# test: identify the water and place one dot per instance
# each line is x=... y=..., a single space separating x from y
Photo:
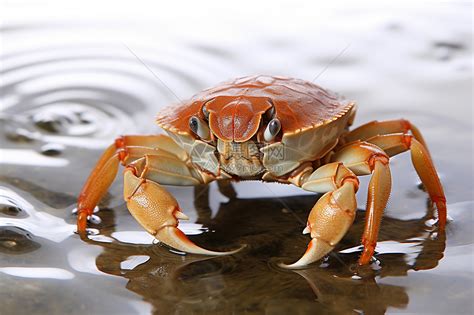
x=73 y=78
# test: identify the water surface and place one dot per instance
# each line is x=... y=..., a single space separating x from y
x=73 y=81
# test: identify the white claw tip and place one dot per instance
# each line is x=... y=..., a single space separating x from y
x=292 y=266
x=181 y=216
x=307 y=230
x=317 y=249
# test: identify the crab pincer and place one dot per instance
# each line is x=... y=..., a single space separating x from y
x=328 y=221
x=158 y=213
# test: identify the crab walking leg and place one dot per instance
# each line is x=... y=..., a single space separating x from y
x=154 y=207
x=364 y=158
x=96 y=186
x=333 y=214
x=397 y=143
x=123 y=150
x=375 y=128
x=160 y=142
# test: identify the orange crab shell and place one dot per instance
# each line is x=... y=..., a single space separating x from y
x=236 y=107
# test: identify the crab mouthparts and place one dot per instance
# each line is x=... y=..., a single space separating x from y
x=243 y=159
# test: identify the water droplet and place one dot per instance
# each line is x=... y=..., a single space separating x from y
x=14 y=240
x=445 y=51
x=96 y=209
x=94 y=219
x=18 y=134
x=91 y=231
x=52 y=149
x=11 y=210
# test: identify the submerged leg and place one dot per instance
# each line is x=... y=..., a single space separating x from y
x=154 y=207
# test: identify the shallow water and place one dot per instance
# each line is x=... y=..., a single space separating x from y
x=74 y=80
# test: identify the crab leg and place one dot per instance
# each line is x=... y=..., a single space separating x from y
x=333 y=214
x=397 y=143
x=154 y=207
x=364 y=158
x=375 y=128
x=379 y=186
x=123 y=150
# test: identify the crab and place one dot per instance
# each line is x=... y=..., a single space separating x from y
x=272 y=129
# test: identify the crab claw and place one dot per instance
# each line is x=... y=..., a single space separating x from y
x=158 y=212
x=328 y=221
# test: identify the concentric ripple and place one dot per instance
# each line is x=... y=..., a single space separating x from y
x=86 y=94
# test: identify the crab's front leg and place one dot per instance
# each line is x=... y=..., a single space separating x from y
x=124 y=150
x=334 y=213
x=154 y=207
x=376 y=128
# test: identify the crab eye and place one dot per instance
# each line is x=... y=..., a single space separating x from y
x=272 y=130
x=269 y=114
x=199 y=127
